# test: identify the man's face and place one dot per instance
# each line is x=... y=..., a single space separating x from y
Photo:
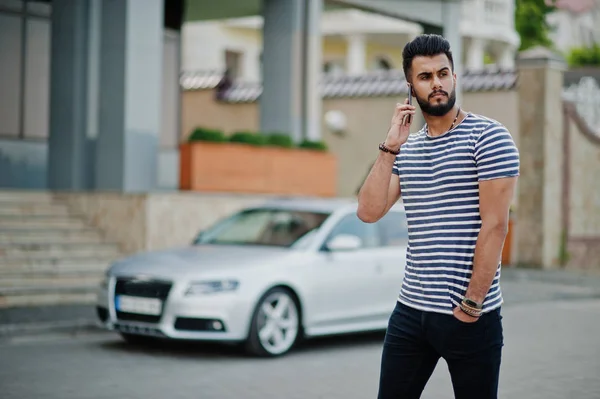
x=434 y=84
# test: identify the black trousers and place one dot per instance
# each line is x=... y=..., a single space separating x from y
x=416 y=340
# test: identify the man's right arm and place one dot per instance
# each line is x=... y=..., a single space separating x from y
x=380 y=191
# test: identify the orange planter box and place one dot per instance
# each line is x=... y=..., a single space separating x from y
x=507 y=249
x=243 y=168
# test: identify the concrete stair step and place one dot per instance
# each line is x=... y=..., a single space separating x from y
x=7 y=199
x=40 y=222
x=48 y=297
x=9 y=208
x=81 y=267
x=96 y=269
x=37 y=282
x=101 y=252
x=51 y=240
x=39 y=197
x=57 y=249
x=48 y=235
x=40 y=216
x=55 y=266
x=47 y=262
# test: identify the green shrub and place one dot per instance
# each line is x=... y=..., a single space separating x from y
x=247 y=138
x=279 y=140
x=202 y=134
x=584 y=56
x=313 y=145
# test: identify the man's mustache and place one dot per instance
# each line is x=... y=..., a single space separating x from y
x=438 y=92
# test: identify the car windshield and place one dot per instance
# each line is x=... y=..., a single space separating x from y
x=273 y=227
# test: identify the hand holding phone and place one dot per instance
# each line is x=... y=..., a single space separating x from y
x=400 y=128
x=408 y=118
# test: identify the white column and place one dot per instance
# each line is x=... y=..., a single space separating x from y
x=131 y=72
x=68 y=95
x=507 y=57
x=281 y=100
x=451 y=17
x=357 y=54
x=475 y=54
x=313 y=61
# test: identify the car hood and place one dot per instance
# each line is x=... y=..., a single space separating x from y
x=198 y=259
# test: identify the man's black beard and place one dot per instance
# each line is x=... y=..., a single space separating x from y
x=438 y=109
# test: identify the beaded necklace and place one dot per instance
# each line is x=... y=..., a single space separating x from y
x=451 y=126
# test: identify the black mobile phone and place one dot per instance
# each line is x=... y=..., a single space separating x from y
x=408 y=118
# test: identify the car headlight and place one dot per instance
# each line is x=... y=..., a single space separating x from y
x=211 y=287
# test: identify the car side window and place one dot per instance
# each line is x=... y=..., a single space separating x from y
x=352 y=225
x=393 y=230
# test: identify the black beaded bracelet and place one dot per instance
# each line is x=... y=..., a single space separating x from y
x=384 y=148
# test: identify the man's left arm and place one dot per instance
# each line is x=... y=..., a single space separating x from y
x=495 y=197
x=497 y=162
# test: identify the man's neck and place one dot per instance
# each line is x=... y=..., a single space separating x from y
x=437 y=125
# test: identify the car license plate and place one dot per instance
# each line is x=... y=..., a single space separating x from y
x=132 y=304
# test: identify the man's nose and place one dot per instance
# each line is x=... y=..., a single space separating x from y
x=436 y=83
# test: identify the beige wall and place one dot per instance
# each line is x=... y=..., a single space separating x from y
x=121 y=217
x=175 y=219
x=583 y=221
x=198 y=108
x=558 y=215
x=584 y=184
x=502 y=106
x=368 y=120
x=142 y=222
x=165 y=220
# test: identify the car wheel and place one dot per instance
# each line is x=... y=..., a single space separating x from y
x=275 y=324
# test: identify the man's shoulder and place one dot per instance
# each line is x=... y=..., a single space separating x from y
x=482 y=122
x=414 y=139
x=418 y=135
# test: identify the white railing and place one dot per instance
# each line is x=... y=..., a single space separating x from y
x=489 y=12
x=585 y=95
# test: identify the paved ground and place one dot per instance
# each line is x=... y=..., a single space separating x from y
x=552 y=330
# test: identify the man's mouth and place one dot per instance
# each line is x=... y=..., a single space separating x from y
x=438 y=94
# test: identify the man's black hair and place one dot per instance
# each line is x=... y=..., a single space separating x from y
x=427 y=45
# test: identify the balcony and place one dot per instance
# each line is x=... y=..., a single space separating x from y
x=352 y=38
x=488 y=27
x=490 y=19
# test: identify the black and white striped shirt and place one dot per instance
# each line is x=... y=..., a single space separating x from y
x=440 y=191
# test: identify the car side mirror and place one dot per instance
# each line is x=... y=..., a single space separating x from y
x=344 y=242
x=197 y=238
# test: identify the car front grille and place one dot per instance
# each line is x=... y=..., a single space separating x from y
x=141 y=288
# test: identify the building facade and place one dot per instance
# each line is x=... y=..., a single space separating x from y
x=53 y=71
x=353 y=41
x=90 y=91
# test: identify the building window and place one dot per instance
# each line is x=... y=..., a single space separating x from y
x=233 y=63
x=382 y=63
x=334 y=67
x=10 y=74
x=24 y=69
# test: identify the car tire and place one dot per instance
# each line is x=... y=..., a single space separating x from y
x=274 y=330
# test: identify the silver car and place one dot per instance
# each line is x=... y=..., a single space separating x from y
x=265 y=276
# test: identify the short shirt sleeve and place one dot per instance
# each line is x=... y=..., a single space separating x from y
x=396 y=167
x=496 y=154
